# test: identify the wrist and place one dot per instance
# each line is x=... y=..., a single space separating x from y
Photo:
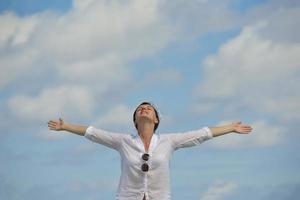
x=232 y=128
x=64 y=127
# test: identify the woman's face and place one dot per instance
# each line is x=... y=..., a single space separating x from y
x=145 y=112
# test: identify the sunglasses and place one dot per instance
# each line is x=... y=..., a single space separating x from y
x=145 y=166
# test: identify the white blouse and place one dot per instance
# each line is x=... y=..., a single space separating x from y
x=155 y=183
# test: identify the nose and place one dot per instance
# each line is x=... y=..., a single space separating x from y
x=143 y=109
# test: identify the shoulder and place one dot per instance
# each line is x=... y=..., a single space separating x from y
x=164 y=136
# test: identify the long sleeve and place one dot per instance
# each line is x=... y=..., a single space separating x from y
x=190 y=138
x=108 y=139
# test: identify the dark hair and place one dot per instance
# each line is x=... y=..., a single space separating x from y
x=156 y=114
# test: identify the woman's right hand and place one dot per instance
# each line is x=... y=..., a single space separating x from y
x=56 y=125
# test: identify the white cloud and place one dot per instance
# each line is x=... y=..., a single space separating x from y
x=119 y=116
x=101 y=29
x=65 y=101
x=198 y=17
x=262 y=135
x=162 y=77
x=15 y=30
x=254 y=73
x=15 y=64
x=282 y=17
x=219 y=191
x=17 y=57
x=105 y=72
x=248 y=59
x=93 y=42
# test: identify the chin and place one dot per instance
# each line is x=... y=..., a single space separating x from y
x=145 y=117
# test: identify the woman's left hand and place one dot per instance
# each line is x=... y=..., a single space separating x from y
x=238 y=127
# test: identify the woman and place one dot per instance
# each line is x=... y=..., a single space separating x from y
x=145 y=156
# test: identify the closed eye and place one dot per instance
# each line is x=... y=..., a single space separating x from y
x=148 y=108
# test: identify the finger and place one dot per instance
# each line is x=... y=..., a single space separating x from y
x=52 y=122
x=52 y=127
x=246 y=130
x=248 y=127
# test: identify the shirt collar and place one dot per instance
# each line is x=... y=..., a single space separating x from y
x=152 y=145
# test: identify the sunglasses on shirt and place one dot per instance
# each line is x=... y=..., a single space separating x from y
x=145 y=166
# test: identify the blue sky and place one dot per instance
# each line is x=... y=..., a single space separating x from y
x=203 y=63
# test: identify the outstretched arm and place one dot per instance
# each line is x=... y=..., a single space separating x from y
x=62 y=126
x=236 y=127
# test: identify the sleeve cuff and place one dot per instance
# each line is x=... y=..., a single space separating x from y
x=209 y=133
x=88 y=131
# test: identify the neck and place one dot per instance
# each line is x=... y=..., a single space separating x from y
x=145 y=131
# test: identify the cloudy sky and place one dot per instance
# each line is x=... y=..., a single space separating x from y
x=202 y=63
